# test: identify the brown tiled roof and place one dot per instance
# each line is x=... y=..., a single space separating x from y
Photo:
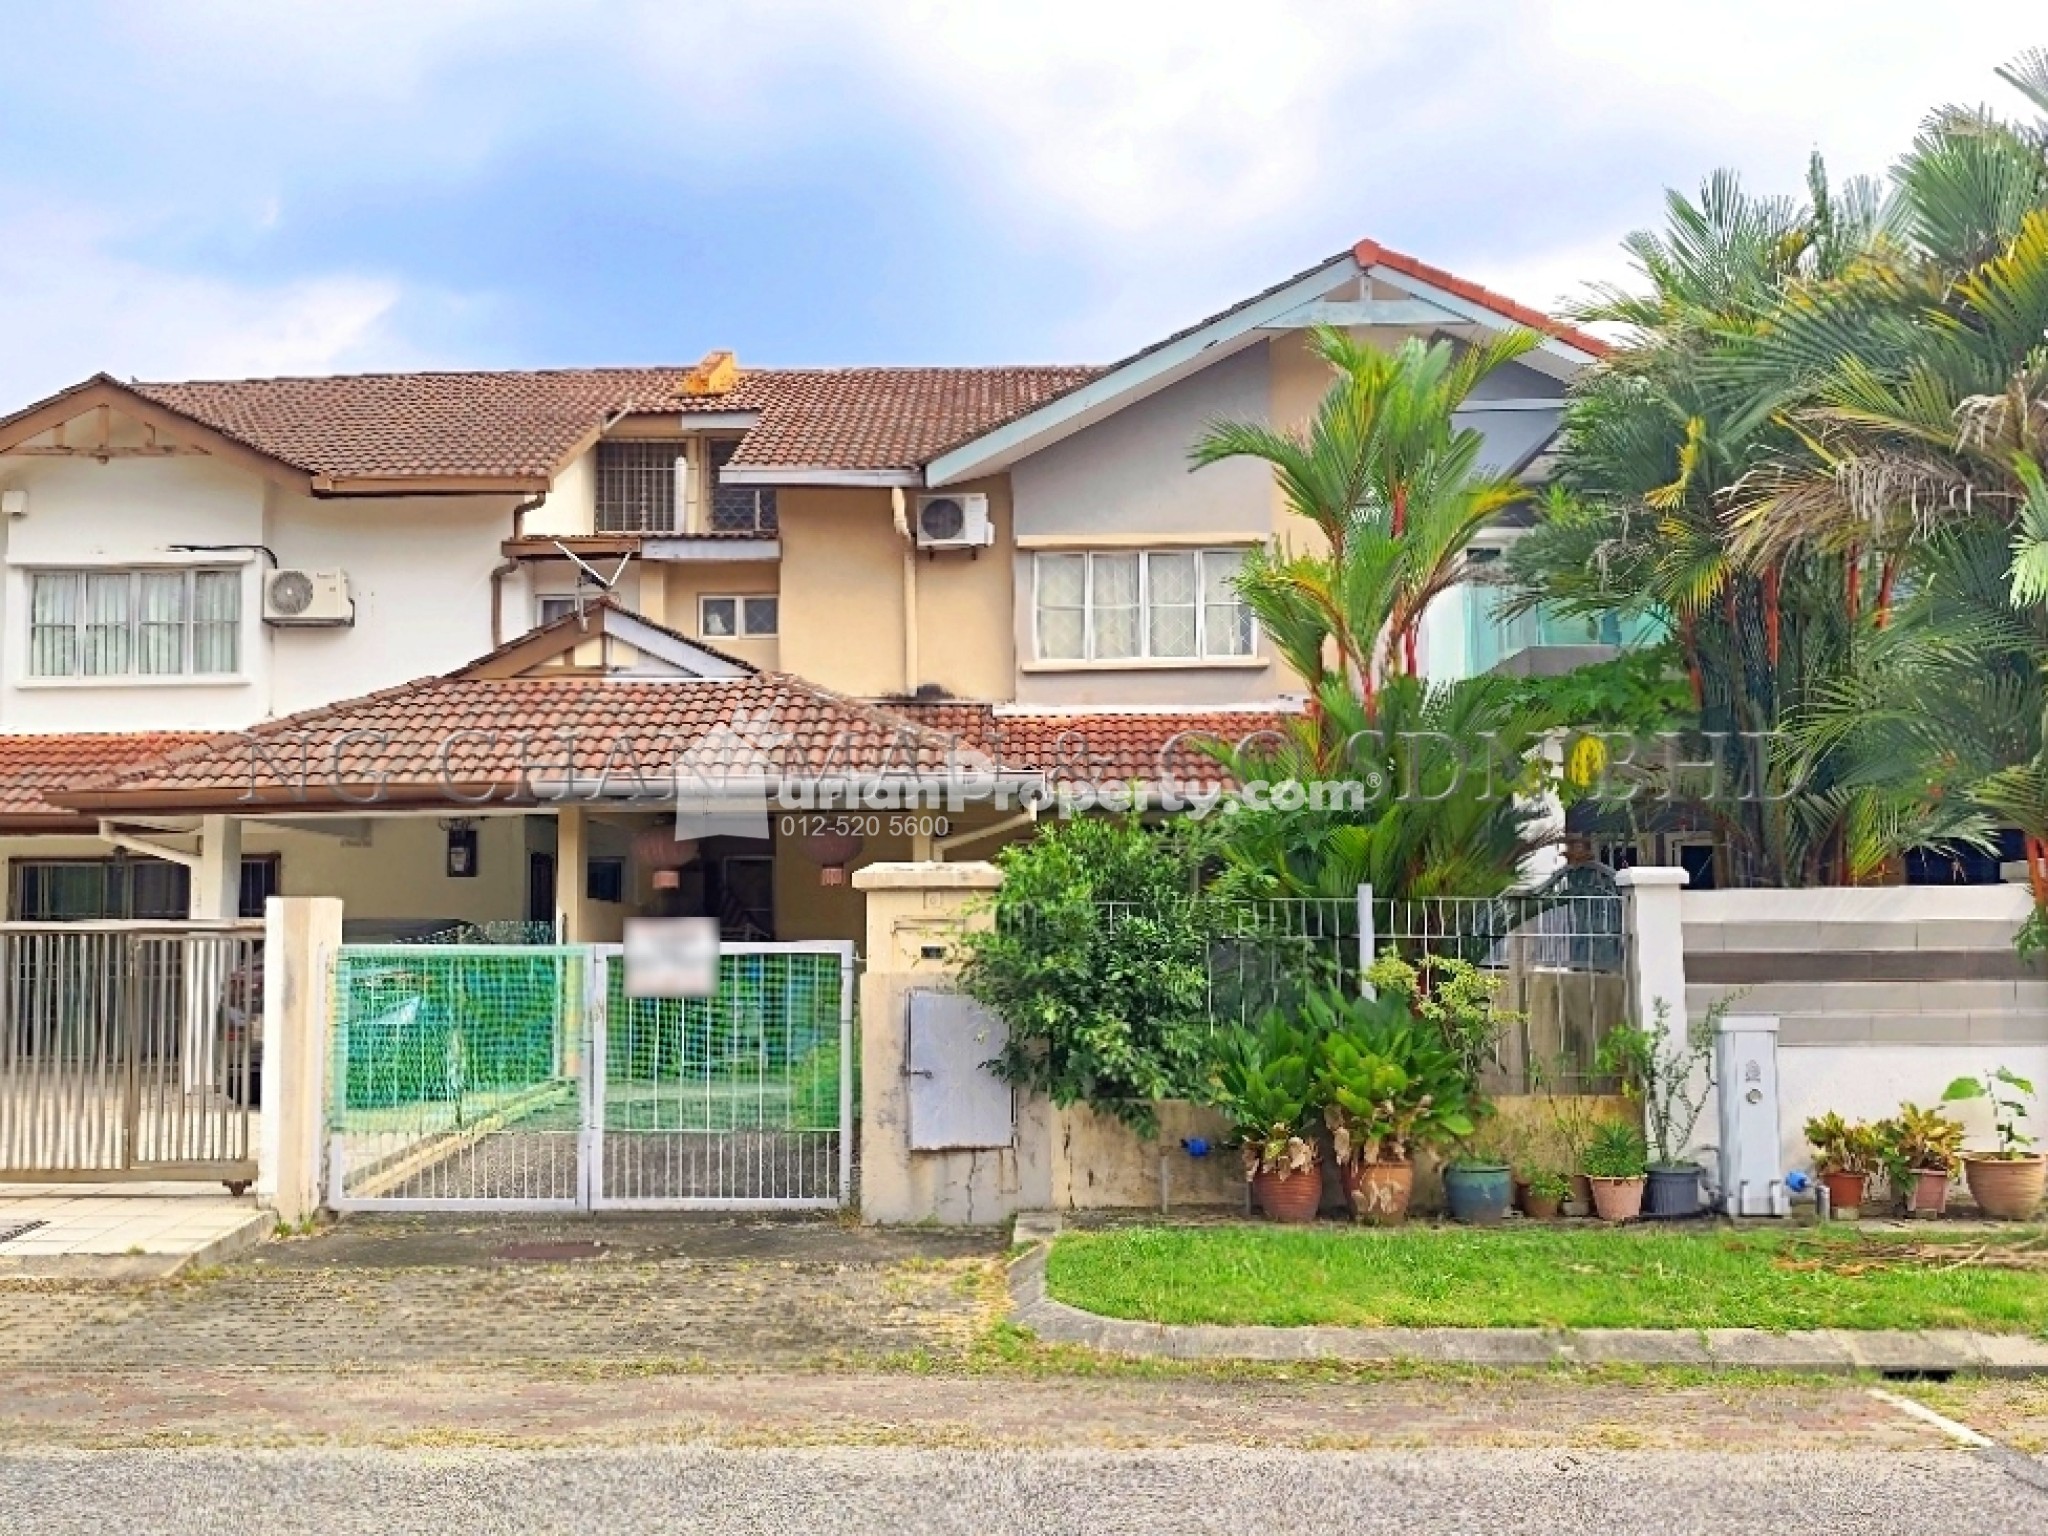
x=509 y=734
x=524 y=424
x=1099 y=748
x=33 y=766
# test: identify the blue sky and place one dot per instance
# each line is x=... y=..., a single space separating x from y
x=256 y=186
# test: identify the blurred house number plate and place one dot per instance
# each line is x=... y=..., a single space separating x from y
x=671 y=956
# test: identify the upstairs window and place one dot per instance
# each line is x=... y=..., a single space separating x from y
x=642 y=487
x=135 y=623
x=738 y=508
x=751 y=618
x=1141 y=605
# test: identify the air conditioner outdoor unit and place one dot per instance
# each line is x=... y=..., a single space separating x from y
x=954 y=522
x=307 y=597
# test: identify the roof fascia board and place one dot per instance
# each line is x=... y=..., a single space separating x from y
x=719 y=421
x=769 y=474
x=1143 y=375
x=1548 y=355
x=101 y=390
x=430 y=485
x=650 y=641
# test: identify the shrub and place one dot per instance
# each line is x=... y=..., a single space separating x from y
x=1099 y=963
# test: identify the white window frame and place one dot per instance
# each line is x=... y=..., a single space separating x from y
x=134 y=575
x=739 y=601
x=541 y=603
x=1202 y=657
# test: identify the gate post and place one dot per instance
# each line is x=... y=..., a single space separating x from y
x=915 y=913
x=300 y=938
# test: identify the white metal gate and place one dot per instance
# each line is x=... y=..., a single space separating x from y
x=479 y=1077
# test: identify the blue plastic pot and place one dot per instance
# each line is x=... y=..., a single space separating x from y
x=1479 y=1194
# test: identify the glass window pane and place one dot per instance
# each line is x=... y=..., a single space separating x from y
x=1113 y=581
x=160 y=632
x=107 y=636
x=1170 y=597
x=1062 y=595
x=760 y=615
x=719 y=617
x=216 y=621
x=1226 y=622
x=53 y=624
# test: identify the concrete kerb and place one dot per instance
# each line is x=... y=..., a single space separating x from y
x=1834 y=1351
x=140 y=1268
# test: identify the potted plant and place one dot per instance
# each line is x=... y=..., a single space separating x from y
x=1548 y=1190
x=2006 y=1182
x=1670 y=1079
x=1479 y=1187
x=1845 y=1154
x=1264 y=1083
x=1617 y=1166
x=1921 y=1150
x=1387 y=1086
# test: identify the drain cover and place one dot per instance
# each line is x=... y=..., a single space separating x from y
x=19 y=1229
x=549 y=1253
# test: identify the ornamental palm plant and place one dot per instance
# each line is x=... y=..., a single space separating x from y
x=1392 y=486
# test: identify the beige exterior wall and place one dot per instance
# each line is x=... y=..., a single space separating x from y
x=843 y=599
x=683 y=582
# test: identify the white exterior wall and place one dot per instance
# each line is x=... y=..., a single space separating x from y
x=419 y=569
x=571 y=507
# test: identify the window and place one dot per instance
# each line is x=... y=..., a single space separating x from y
x=605 y=880
x=95 y=890
x=642 y=487
x=1145 y=605
x=147 y=623
x=553 y=607
x=738 y=508
x=727 y=618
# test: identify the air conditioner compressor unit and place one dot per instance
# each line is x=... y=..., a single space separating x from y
x=307 y=598
x=954 y=522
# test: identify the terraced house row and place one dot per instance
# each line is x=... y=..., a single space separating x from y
x=380 y=636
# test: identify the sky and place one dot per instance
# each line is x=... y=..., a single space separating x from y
x=224 y=188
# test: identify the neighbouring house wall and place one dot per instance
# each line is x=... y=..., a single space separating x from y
x=1127 y=480
x=842 y=585
x=1882 y=995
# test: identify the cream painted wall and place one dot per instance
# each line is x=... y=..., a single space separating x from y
x=843 y=599
x=571 y=507
x=685 y=581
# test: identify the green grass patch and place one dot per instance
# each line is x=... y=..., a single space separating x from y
x=1594 y=1278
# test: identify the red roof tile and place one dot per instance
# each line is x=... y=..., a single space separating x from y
x=32 y=766
x=1099 y=748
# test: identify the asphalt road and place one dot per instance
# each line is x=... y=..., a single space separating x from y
x=991 y=1493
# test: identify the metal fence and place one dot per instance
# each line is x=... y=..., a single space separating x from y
x=1556 y=954
x=130 y=1050
x=468 y=1077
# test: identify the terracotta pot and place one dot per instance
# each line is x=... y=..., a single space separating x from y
x=1582 y=1192
x=1541 y=1207
x=2008 y=1188
x=1927 y=1195
x=1845 y=1194
x=1291 y=1197
x=1378 y=1193
x=1618 y=1199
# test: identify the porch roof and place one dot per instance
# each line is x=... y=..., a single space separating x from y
x=34 y=767
x=1101 y=746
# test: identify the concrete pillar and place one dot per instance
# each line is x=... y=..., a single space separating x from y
x=300 y=937
x=915 y=913
x=1652 y=907
x=572 y=858
x=217 y=878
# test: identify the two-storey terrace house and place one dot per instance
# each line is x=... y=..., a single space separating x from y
x=320 y=635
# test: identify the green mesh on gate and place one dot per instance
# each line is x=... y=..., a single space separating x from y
x=420 y=1026
x=762 y=1053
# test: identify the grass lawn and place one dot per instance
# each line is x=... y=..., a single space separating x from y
x=1564 y=1278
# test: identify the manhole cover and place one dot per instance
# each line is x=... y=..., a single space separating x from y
x=550 y=1253
x=9 y=1232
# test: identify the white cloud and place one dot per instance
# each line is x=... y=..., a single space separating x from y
x=71 y=305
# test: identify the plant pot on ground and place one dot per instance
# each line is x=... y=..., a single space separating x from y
x=1388 y=1084
x=1922 y=1150
x=1670 y=1078
x=2006 y=1183
x=1546 y=1195
x=1478 y=1193
x=1617 y=1166
x=1845 y=1154
x=1264 y=1084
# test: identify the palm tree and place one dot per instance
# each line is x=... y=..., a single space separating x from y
x=1392 y=486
